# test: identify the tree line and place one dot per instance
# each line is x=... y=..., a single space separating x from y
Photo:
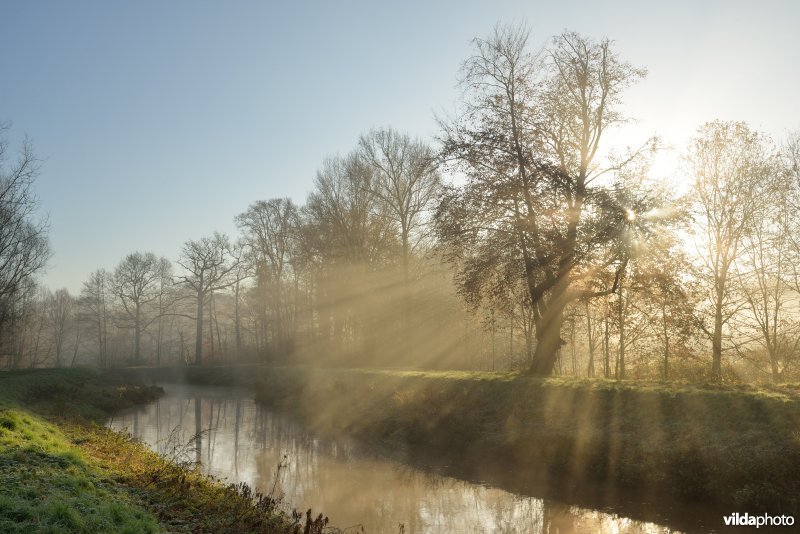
x=519 y=239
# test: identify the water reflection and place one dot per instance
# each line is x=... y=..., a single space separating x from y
x=234 y=438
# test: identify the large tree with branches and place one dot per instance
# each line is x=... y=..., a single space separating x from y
x=137 y=284
x=735 y=182
x=538 y=203
x=24 y=248
x=207 y=266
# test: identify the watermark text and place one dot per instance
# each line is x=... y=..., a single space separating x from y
x=764 y=520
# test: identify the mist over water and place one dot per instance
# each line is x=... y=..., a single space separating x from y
x=353 y=485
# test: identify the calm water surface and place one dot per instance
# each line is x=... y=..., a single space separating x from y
x=236 y=439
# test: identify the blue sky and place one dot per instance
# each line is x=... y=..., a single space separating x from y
x=158 y=122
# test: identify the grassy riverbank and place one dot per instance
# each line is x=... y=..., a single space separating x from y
x=735 y=447
x=62 y=471
x=731 y=447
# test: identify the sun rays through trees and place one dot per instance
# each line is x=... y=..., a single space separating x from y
x=521 y=238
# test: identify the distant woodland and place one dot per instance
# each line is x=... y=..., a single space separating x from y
x=520 y=238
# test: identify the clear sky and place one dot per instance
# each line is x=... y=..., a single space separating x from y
x=158 y=122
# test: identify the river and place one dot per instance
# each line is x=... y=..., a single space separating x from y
x=236 y=439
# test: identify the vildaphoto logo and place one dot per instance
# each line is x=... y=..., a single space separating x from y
x=765 y=520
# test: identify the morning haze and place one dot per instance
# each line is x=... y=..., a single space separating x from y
x=463 y=267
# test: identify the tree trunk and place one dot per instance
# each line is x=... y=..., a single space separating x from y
x=137 y=325
x=548 y=336
x=511 y=341
x=77 y=344
x=773 y=360
x=198 y=342
x=237 y=322
x=493 y=343
x=590 y=340
x=103 y=327
x=407 y=331
x=528 y=342
x=716 y=341
x=216 y=327
x=621 y=317
x=160 y=329
x=666 y=339
x=100 y=355
x=466 y=343
x=211 y=323
x=619 y=373
x=606 y=348
x=278 y=336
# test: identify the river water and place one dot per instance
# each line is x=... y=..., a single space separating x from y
x=236 y=439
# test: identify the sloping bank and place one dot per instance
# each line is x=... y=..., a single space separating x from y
x=737 y=448
x=62 y=471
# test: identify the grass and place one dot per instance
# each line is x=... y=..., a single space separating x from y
x=735 y=447
x=732 y=447
x=62 y=471
x=47 y=483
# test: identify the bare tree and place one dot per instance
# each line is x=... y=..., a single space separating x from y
x=345 y=224
x=763 y=274
x=242 y=271
x=164 y=305
x=19 y=327
x=670 y=293
x=270 y=232
x=406 y=181
x=40 y=321
x=24 y=249
x=136 y=284
x=768 y=272
x=95 y=303
x=207 y=265
x=345 y=238
x=730 y=163
x=59 y=314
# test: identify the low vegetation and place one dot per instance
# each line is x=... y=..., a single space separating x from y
x=728 y=446
x=62 y=471
x=733 y=445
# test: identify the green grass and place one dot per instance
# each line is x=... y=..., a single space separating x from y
x=62 y=471
x=47 y=483
x=731 y=446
